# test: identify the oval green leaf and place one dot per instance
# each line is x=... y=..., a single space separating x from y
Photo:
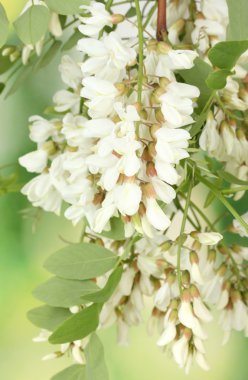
x=65 y=7
x=96 y=368
x=225 y=54
x=75 y=372
x=47 y=317
x=217 y=79
x=104 y=294
x=81 y=261
x=116 y=231
x=77 y=326
x=32 y=24
x=4 y=26
x=64 y=293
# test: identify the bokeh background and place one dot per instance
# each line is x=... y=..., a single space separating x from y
x=22 y=252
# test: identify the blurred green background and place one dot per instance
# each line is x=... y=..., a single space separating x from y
x=22 y=253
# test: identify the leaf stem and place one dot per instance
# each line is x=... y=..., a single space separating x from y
x=181 y=240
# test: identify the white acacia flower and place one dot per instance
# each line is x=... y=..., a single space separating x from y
x=70 y=71
x=239 y=228
x=108 y=57
x=168 y=334
x=41 y=129
x=208 y=238
x=122 y=332
x=55 y=25
x=128 y=197
x=66 y=101
x=41 y=193
x=177 y=104
x=155 y=215
x=34 y=162
x=98 y=19
x=101 y=94
x=73 y=130
x=180 y=350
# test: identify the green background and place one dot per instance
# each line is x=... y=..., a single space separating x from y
x=22 y=253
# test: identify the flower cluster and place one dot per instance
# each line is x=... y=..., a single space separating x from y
x=121 y=147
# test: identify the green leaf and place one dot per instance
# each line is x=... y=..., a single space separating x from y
x=77 y=326
x=5 y=63
x=48 y=56
x=225 y=54
x=47 y=317
x=217 y=79
x=2 y=87
x=20 y=78
x=81 y=261
x=116 y=231
x=230 y=178
x=66 y=7
x=224 y=201
x=196 y=127
x=238 y=26
x=72 y=41
x=131 y=12
x=75 y=372
x=32 y=24
x=96 y=368
x=64 y=293
x=104 y=294
x=4 y=26
x=197 y=76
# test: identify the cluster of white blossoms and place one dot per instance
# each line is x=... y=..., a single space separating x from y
x=109 y=154
x=117 y=149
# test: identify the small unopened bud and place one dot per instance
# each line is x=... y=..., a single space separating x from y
x=185 y=278
x=211 y=256
x=173 y=315
x=187 y=333
x=194 y=259
x=236 y=248
x=163 y=47
x=117 y=18
x=121 y=87
x=186 y=296
x=235 y=296
x=14 y=56
x=49 y=147
x=152 y=45
x=163 y=82
x=222 y=270
x=8 y=50
x=166 y=245
x=194 y=291
x=100 y=242
x=156 y=94
x=171 y=278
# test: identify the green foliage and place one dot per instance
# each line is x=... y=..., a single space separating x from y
x=65 y=7
x=104 y=294
x=75 y=372
x=78 y=326
x=5 y=63
x=230 y=178
x=197 y=77
x=116 y=231
x=72 y=41
x=96 y=368
x=238 y=26
x=64 y=293
x=131 y=12
x=19 y=80
x=32 y=24
x=81 y=261
x=4 y=26
x=225 y=54
x=47 y=58
x=47 y=317
x=217 y=79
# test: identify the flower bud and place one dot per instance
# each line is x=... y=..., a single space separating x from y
x=117 y=18
x=163 y=47
x=152 y=45
x=185 y=278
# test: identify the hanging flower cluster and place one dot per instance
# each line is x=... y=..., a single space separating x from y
x=147 y=114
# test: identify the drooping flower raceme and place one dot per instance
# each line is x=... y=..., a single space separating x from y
x=122 y=156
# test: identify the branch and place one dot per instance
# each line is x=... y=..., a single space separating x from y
x=161 y=20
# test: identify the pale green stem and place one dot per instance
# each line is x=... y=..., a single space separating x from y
x=180 y=241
